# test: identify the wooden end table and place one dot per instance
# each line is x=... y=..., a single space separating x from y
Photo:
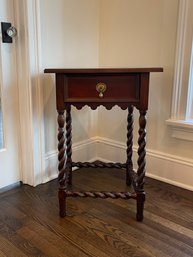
x=126 y=88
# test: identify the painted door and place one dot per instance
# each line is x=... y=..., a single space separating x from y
x=9 y=111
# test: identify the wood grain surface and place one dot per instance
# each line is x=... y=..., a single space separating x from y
x=30 y=224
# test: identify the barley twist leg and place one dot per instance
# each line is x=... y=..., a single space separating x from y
x=61 y=166
x=129 y=163
x=69 y=145
x=139 y=183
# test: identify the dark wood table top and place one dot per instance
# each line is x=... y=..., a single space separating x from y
x=103 y=70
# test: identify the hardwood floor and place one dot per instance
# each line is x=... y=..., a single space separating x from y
x=30 y=225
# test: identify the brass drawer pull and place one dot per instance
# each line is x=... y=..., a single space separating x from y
x=101 y=88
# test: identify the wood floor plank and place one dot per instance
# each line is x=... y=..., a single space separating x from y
x=64 y=230
x=30 y=225
x=164 y=234
x=124 y=232
x=113 y=236
x=143 y=233
x=54 y=240
x=9 y=249
x=171 y=228
x=25 y=246
x=80 y=238
x=47 y=248
x=2 y=254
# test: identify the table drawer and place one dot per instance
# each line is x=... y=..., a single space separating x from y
x=115 y=87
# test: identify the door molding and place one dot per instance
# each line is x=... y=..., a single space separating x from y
x=28 y=48
x=2 y=122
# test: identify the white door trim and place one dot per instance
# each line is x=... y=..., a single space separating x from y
x=180 y=121
x=28 y=46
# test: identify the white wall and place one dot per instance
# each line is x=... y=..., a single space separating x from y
x=70 y=31
x=135 y=33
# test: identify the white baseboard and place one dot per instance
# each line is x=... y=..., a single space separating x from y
x=82 y=151
x=168 y=168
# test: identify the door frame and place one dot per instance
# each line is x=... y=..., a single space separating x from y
x=29 y=69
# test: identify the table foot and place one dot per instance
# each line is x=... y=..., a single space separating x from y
x=140 y=206
x=62 y=202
